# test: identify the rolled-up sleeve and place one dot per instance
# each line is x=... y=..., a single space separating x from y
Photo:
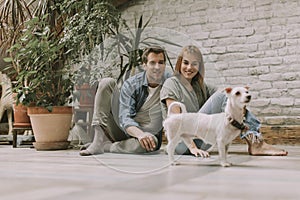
x=127 y=106
x=168 y=91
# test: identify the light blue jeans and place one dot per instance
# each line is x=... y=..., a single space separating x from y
x=216 y=104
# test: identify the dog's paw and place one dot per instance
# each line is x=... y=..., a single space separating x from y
x=226 y=164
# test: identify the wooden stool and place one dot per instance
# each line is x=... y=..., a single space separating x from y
x=15 y=133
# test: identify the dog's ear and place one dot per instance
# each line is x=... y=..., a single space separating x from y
x=228 y=90
x=247 y=87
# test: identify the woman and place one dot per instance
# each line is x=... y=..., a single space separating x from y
x=188 y=86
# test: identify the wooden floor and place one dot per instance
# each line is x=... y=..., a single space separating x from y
x=47 y=175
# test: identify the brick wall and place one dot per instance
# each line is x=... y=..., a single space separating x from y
x=244 y=42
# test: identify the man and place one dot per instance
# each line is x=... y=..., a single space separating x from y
x=138 y=126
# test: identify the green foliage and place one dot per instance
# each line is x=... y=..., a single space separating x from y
x=93 y=22
x=43 y=79
x=130 y=47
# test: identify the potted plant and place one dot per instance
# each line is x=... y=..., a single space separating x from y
x=45 y=50
x=13 y=15
x=84 y=32
x=44 y=83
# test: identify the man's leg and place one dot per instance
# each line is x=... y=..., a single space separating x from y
x=103 y=121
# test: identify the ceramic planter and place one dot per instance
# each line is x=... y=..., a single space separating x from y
x=50 y=129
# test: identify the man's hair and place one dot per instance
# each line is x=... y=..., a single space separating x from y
x=152 y=49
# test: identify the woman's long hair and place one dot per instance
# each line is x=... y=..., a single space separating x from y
x=198 y=81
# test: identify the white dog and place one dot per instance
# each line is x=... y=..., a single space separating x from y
x=6 y=101
x=218 y=129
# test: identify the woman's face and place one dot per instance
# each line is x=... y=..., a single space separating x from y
x=189 y=66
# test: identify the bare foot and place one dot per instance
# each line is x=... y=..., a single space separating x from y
x=258 y=147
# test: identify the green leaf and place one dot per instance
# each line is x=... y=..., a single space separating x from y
x=7 y=59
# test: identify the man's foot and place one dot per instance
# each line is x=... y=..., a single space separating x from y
x=258 y=147
x=92 y=150
x=85 y=146
x=97 y=146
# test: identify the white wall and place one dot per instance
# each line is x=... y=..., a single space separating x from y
x=244 y=42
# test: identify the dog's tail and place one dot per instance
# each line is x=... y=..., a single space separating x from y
x=176 y=103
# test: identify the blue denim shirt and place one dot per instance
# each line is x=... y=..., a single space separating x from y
x=133 y=95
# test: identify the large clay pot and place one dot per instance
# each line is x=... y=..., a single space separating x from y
x=51 y=129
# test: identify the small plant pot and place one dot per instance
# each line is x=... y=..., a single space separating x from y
x=87 y=95
x=21 y=118
x=51 y=129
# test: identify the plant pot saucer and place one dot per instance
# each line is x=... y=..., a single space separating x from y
x=45 y=146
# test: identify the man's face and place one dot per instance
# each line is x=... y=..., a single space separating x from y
x=155 y=68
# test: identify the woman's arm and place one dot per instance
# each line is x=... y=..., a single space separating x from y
x=175 y=109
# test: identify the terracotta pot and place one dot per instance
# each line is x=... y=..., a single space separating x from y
x=51 y=129
x=87 y=95
x=21 y=118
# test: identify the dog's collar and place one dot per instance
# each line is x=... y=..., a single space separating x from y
x=236 y=124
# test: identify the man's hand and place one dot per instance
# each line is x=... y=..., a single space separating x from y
x=147 y=141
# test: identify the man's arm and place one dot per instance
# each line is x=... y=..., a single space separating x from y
x=128 y=103
x=146 y=139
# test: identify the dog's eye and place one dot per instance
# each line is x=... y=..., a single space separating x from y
x=237 y=93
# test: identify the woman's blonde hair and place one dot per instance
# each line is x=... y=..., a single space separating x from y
x=199 y=78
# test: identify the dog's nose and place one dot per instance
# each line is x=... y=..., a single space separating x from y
x=249 y=97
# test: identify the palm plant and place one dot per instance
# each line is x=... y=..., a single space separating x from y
x=130 y=47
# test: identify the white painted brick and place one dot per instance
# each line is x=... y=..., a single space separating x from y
x=269 y=93
x=280 y=84
x=218 y=50
x=293 y=84
x=295 y=93
x=259 y=102
x=261 y=86
x=231 y=40
x=242 y=48
x=278 y=44
x=232 y=56
x=271 y=110
x=270 y=61
x=254 y=39
x=259 y=70
x=290 y=76
x=270 y=77
x=243 y=32
x=282 y=101
x=249 y=63
x=235 y=72
x=220 y=34
x=278 y=120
